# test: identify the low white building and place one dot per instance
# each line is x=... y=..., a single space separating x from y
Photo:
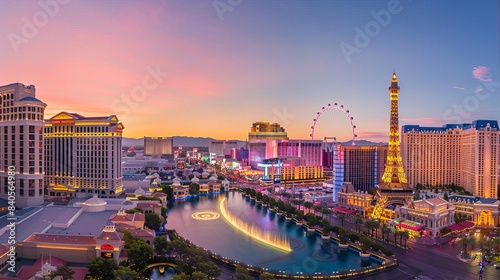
x=434 y=213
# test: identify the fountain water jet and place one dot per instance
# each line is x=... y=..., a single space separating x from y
x=268 y=238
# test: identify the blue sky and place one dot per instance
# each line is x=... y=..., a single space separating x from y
x=231 y=63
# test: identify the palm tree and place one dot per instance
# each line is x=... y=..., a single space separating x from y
x=385 y=231
x=396 y=234
x=472 y=242
x=376 y=226
x=496 y=242
x=406 y=235
x=318 y=209
x=368 y=225
x=341 y=218
x=308 y=205
x=358 y=221
x=464 y=242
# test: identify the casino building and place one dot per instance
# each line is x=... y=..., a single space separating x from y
x=83 y=156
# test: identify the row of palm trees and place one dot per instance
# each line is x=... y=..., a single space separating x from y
x=372 y=227
x=487 y=246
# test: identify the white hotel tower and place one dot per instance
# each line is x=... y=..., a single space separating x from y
x=21 y=143
x=83 y=156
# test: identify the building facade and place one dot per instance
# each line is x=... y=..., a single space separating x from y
x=434 y=213
x=226 y=149
x=464 y=154
x=262 y=141
x=485 y=212
x=158 y=146
x=83 y=156
x=21 y=144
x=363 y=166
x=309 y=150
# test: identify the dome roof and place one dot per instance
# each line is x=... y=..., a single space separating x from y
x=159 y=194
x=195 y=179
x=205 y=173
x=94 y=201
x=176 y=180
x=29 y=98
x=140 y=191
x=109 y=223
x=213 y=178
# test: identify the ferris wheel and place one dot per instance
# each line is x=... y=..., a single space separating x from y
x=336 y=107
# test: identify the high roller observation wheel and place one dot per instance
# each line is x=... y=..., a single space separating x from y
x=337 y=107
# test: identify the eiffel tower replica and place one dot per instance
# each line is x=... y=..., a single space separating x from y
x=393 y=189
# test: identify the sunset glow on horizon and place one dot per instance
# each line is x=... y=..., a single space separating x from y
x=168 y=68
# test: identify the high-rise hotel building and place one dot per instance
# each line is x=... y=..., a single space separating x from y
x=262 y=141
x=21 y=143
x=461 y=154
x=83 y=156
x=158 y=146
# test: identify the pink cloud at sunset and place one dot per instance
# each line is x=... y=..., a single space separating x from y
x=423 y=121
x=482 y=73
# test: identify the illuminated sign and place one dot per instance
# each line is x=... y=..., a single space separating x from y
x=107 y=255
x=63 y=121
x=180 y=164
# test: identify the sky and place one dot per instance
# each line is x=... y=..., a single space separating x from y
x=210 y=68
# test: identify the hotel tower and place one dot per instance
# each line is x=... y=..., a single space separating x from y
x=21 y=143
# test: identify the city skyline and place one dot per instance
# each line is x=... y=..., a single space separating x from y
x=211 y=69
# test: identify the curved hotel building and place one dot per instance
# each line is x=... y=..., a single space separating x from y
x=461 y=154
x=21 y=143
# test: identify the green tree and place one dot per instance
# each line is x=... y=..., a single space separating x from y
x=63 y=271
x=153 y=221
x=102 y=269
x=199 y=276
x=406 y=235
x=445 y=196
x=341 y=218
x=385 y=232
x=168 y=191
x=358 y=221
x=160 y=244
x=125 y=273
x=266 y=276
x=194 y=189
x=242 y=273
x=139 y=254
x=308 y=205
x=181 y=276
x=134 y=210
x=496 y=244
x=311 y=219
x=464 y=242
x=376 y=226
x=369 y=225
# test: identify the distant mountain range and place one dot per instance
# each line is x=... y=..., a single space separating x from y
x=204 y=141
x=364 y=143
